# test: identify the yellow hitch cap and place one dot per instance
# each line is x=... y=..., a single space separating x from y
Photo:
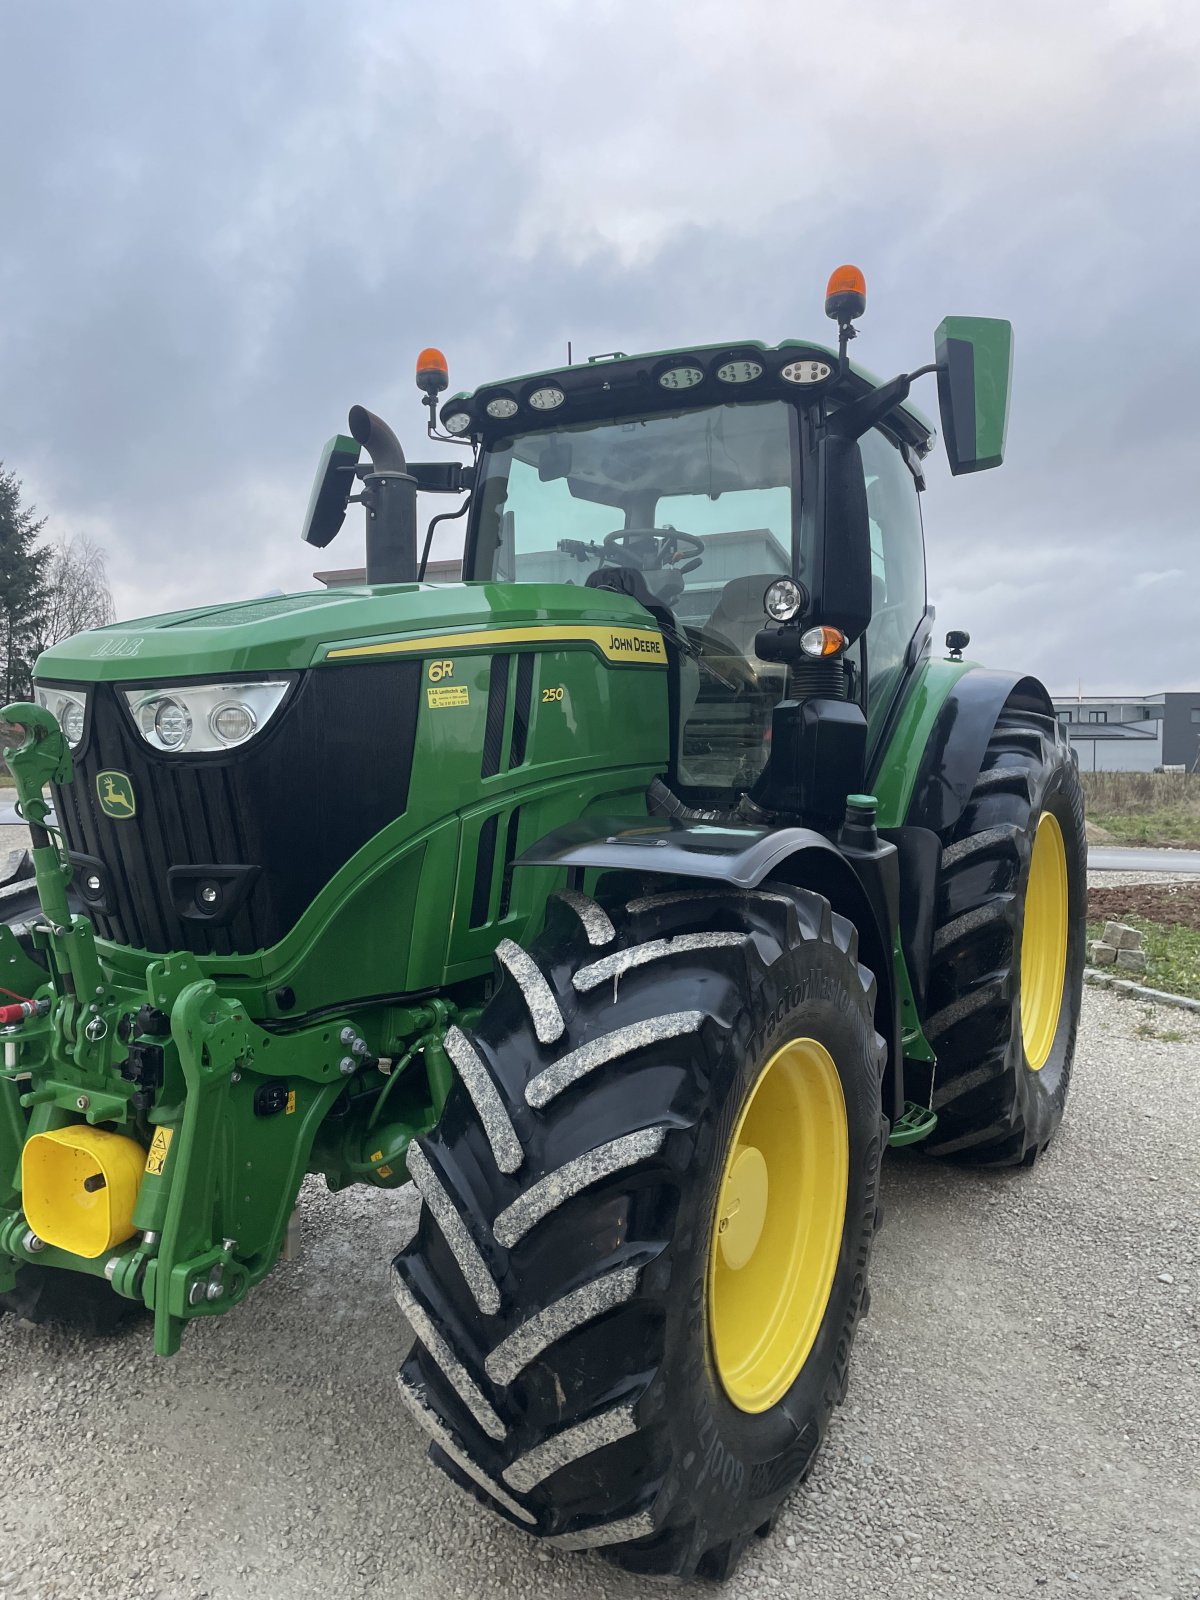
x=79 y=1186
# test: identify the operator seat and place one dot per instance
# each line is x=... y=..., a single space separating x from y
x=738 y=615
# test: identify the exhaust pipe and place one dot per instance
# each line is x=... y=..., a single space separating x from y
x=390 y=498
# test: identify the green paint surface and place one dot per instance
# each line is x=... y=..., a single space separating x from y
x=297 y=631
x=411 y=914
x=991 y=344
x=905 y=750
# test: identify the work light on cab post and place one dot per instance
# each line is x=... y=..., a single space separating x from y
x=845 y=302
x=433 y=378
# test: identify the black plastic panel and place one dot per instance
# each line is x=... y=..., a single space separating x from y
x=739 y=856
x=959 y=741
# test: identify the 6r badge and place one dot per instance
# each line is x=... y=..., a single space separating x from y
x=114 y=790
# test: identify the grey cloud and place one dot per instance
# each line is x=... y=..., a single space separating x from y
x=227 y=224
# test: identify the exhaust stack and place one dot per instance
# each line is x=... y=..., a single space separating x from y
x=390 y=499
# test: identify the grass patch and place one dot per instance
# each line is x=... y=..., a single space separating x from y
x=1172 y=956
x=1147 y=1028
x=1145 y=808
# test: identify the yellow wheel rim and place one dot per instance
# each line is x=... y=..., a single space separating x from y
x=776 y=1236
x=1044 y=941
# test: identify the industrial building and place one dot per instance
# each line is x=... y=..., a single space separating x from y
x=1133 y=733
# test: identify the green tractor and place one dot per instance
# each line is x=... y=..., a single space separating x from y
x=627 y=898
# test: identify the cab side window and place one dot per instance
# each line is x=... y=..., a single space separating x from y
x=897 y=570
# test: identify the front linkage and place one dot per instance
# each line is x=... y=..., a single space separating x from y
x=156 y=1136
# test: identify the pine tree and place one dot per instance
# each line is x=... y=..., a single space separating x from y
x=22 y=590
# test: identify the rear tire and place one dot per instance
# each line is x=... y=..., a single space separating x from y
x=563 y=1273
x=1004 y=1053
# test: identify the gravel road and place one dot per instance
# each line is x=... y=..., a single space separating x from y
x=1023 y=1416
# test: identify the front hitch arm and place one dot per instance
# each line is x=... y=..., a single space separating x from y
x=38 y=754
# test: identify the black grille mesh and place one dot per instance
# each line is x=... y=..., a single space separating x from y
x=329 y=771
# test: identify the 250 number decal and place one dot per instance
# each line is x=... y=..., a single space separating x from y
x=552 y=694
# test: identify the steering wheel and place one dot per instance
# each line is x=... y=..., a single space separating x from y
x=667 y=545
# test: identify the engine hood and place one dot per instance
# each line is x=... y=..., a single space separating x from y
x=287 y=632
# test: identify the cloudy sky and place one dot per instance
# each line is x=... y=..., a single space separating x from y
x=223 y=223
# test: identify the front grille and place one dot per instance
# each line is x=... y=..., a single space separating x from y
x=329 y=771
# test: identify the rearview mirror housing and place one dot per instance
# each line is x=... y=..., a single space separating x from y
x=331 y=490
x=974 y=373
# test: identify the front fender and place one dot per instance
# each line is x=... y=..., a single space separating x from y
x=741 y=858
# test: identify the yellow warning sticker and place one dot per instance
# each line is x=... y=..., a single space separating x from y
x=291 y=1103
x=159 y=1145
x=455 y=695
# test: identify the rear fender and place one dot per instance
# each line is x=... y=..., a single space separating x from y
x=740 y=858
x=955 y=749
x=945 y=778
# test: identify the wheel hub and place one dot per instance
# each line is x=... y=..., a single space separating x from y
x=743 y=1207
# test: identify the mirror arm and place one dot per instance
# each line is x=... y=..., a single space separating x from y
x=442 y=516
x=852 y=421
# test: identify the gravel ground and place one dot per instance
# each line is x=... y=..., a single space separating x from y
x=12 y=839
x=1023 y=1416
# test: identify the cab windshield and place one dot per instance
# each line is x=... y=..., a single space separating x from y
x=700 y=504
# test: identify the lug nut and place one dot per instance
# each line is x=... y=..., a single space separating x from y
x=214 y=1290
x=82 y=1102
x=347 y=1065
x=347 y=1036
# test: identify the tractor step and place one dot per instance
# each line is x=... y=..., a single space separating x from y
x=916 y=1123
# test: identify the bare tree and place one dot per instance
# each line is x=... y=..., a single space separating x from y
x=77 y=593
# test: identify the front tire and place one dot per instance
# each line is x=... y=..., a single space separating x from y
x=579 y=1278
x=50 y=1297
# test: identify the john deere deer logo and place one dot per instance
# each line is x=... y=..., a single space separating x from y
x=115 y=792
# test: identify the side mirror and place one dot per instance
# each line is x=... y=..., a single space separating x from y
x=841 y=589
x=331 y=490
x=974 y=372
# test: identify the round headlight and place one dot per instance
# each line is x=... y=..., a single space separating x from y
x=502 y=406
x=70 y=719
x=172 y=725
x=457 y=422
x=740 y=371
x=232 y=721
x=805 y=371
x=681 y=377
x=546 y=399
x=783 y=599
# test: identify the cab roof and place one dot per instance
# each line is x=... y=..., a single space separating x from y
x=618 y=384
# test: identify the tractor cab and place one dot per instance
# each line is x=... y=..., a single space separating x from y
x=760 y=502
x=701 y=505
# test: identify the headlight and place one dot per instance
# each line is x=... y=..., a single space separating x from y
x=195 y=719
x=783 y=599
x=68 y=706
